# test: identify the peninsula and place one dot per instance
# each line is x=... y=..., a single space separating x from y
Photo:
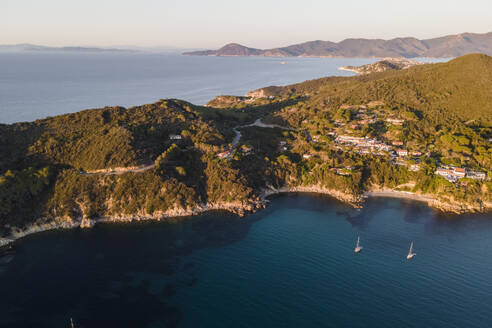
x=386 y=64
x=443 y=47
x=425 y=131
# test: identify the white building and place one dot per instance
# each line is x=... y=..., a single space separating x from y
x=477 y=175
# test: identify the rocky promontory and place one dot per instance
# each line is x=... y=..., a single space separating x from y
x=386 y=64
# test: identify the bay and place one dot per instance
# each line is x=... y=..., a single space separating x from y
x=289 y=265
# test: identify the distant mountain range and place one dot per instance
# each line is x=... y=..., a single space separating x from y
x=443 y=47
x=34 y=47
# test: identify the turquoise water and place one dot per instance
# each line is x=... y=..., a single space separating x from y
x=290 y=265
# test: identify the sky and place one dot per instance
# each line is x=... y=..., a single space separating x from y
x=213 y=23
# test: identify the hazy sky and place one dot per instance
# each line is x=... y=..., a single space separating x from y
x=212 y=23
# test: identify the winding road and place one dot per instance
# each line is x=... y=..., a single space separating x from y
x=141 y=169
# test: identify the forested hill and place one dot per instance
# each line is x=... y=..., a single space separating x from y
x=460 y=87
x=172 y=157
x=443 y=47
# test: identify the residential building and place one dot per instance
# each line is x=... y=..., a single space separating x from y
x=402 y=152
x=451 y=173
x=175 y=136
x=477 y=175
x=395 y=121
x=224 y=154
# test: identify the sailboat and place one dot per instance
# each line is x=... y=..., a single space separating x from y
x=411 y=254
x=358 y=248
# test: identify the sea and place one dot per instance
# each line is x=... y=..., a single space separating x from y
x=35 y=85
x=290 y=265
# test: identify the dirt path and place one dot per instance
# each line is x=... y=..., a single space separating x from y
x=120 y=170
x=257 y=123
x=141 y=169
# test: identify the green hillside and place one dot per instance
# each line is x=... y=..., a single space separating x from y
x=437 y=115
x=461 y=87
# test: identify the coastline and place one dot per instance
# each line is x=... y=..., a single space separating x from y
x=352 y=200
x=353 y=70
x=389 y=193
x=444 y=206
x=242 y=208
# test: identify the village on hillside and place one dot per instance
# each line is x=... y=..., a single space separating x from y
x=347 y=132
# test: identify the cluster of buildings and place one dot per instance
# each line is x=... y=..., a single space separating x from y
x=365 y=145
x=452 y=173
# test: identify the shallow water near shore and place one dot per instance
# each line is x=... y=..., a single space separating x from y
x=290 y=265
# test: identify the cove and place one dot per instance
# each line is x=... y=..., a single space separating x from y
x=289 y=265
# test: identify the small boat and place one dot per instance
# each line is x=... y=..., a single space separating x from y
x=411 y=254
x=358 y=248
x=282 y=63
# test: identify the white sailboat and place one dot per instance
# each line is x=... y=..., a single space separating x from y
x=358 y=248
x=411 y=254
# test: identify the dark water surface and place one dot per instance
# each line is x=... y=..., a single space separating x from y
x=290 y=265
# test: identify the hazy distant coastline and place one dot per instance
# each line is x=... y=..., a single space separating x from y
x=39 y=48
x=443 y=47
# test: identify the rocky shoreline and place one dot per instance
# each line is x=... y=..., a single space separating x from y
x=243 y=208
x=353 y=200
x=238 y=208
x=444 y=206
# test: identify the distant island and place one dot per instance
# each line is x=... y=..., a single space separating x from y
x=387 y=64
x=443 y=47
x=423 y=133
x=27 y=47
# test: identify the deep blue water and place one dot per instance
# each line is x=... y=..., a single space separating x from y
x=290 y=265
x=35 y=85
